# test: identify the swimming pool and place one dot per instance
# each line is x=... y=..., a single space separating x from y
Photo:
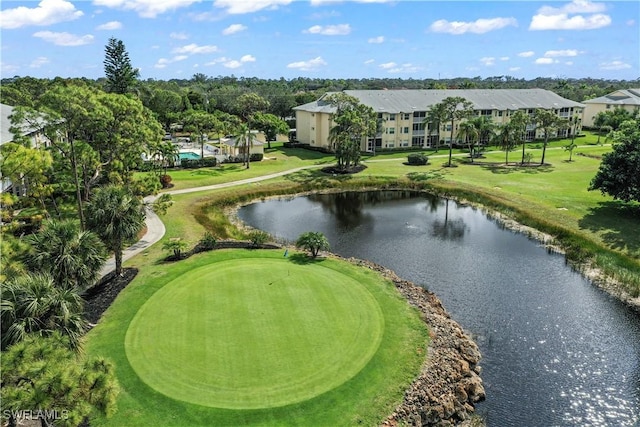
x=189 y=155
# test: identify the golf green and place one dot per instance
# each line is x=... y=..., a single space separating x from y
x=254 y=333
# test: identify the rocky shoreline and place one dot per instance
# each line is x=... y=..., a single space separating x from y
x=449 y=383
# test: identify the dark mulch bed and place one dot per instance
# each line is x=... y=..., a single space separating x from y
x=334 y=170
x=99 y=297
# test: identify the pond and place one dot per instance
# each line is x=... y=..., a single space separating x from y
x=557 y=351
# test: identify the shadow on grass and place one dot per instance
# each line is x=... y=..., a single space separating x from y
x=617 y=223
x=303 y=154
x=502 y=169
x=425 y=176
x=304 y=259
x=315 y=178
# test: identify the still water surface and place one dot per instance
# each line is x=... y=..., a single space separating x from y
x=557 y=351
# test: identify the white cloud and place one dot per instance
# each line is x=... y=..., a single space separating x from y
x=402 y=68
x=233 y=28
x=179 y=36
x=112 y=25
x=526 y=54
x=324 y=2
x=388 y=65
x=64 y=39
x=569 y=63
x=546 y=61
x=631 y=22
x=217 y=61
x=146 y=8
x=310 y=65
x=193 y=48
x=369 y=61
x=488 y=60
x=47 y=12
x=330 y=30
x=577 y=15
x=39 y=62
x=6 y=69
x=163 y=62
x=248 y=58
x=558 y=53
x=232 y=64
x=614 y=65
x=514 y=68
x=504 y=58
x=238 y=7
x=479 y=26
x=376 y=40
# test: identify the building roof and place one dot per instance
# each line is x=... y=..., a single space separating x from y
x=619 y=97
x=407 y=101
x=5 y=124
x=231 y=142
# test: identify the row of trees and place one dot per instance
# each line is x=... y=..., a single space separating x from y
x=82 y=181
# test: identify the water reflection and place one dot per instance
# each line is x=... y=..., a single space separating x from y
x=557 y=351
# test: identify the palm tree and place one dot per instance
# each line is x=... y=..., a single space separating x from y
x=33 y=304
x=117 y=216
x=435 y=117
x=486 y=128
x=599 y=121
x=467 y=131
x=519 y=121
x=549 y=122
x=72 y=257
x=505 y=139
x=244 y=139
x=455 y=108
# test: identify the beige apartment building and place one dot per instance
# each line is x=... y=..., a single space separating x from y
x=403 y=113
x=629 y=99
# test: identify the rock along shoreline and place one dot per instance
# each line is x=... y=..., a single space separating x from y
x=449 y=383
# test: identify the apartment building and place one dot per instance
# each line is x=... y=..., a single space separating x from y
x=629 y=99
x=402 y=114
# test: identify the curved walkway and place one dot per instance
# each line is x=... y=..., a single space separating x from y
x=155 y=227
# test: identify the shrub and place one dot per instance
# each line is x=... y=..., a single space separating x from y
x=417 y=159
x=207 y=242
x=258 y=237
x=165 y=180
x=176 y=245
x=256 y=157
x=198 y=163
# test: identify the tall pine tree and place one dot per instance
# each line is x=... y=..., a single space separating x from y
x=121 y=76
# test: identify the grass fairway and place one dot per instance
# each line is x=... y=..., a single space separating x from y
x=254 y=333
x=240 y=337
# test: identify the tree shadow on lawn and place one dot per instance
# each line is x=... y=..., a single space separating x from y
x=217 y=171
x=303 y=154
x=502 y=169
x=617 y=223
x=316 y=178
x=305 y=259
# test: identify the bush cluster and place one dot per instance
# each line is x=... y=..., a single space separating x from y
x=417 y=159
x=198 y=163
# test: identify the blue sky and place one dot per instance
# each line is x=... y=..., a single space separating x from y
x=324 y=38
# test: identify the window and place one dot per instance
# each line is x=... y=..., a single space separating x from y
x=485 y=112
x=499 y=113
x=406 y=116
x=392 y=117
x=391 y=131
x=419 y=114
x=608 y=106
x=418 y=126
x=405 y=129
x=404 y=143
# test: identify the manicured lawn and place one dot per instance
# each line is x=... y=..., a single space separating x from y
x=254 y=333
x=275 y=160
x=239 y=337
